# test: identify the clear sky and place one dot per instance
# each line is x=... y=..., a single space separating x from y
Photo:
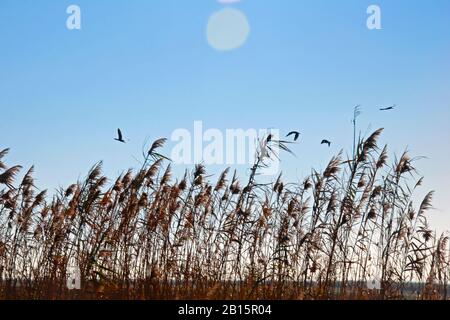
x=146 y=66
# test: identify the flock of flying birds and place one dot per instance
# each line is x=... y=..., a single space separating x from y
x=294 y=134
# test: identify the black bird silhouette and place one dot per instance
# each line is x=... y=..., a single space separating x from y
x=326 y=142
x=119 y=136
x=389 y=108
x=269 y=138
x=296 y=135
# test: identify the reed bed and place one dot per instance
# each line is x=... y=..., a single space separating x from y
x=147 y=235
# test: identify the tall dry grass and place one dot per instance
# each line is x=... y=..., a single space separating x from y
x=148 y=235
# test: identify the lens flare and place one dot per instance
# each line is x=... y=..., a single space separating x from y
x=228 y=29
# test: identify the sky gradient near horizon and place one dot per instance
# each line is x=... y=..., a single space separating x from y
x=146 y=66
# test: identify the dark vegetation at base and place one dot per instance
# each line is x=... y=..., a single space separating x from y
x=142 y=290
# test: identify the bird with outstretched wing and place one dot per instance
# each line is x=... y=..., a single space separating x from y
x=388 y=108
x=326 y=142
x=119 y=136
x=296 y=135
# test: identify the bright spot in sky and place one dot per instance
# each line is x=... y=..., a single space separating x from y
x=229 y=1
x=228 y=29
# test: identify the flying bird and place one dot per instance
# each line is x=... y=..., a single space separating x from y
x=389 y=108
x=296 y=135
x=119 y=136
x=326 y=142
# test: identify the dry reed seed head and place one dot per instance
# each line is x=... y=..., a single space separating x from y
x=266 y=211
x=442 y=246
x=95 y=172
x=153 y=169
x=156 y=145
x=208 y=191
x=190 y=220
x=411 y=213
x=122 y=197
x=370 y=144
x=346 y=218
x=362 y=181
x=40 y=198
x=247 y=189
x=409 y=232
x=372 y=214
x=403 y=164
x=333 y=167
x=8 y=176
x=5 y=195
x=174 y=192
x=304 y=207
x=222 y=180
x=182 y=185
x=225 y=196
x=347 y=204
x=28 y=180
x=376 y=191
x=106 y=199
x=3 y=153
x=426 y=203
x=235 y=188
x=198 y=180
x=307 y=184
x=71 y=190
x=167 y=175
x=166 y=191
x=382 y=160
x=27 y=194
x=138 y=180
x=105 y=254
x=149 y=183
x=102 y=181
x=283 y=239
x=118 y=186
x=199 y=170
x=70 y=213
x=262 y=222
x=242 y=212
x=419 y=182
x=314 y=268
x=291 y=207
x=427 y=234
x=280 y=188
x=332 y=203
x=127 y=178
x=174 y=206
x=277 y=184
x=44 y=212
x=2 y=249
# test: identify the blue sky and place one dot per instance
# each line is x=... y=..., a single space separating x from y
x=145 y=66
